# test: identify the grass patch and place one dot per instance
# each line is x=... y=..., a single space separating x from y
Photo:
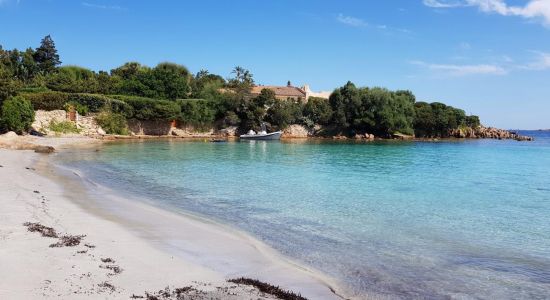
x=63 y=127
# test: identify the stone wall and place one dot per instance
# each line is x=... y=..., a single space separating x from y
x=42 y=119
x=140 y=127
x=190 y=131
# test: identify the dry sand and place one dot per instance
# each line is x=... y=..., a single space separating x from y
x=126 y=248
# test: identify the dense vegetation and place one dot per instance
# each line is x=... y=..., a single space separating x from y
x=170 y=91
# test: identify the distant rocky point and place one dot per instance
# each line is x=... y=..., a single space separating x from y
x=482 y=132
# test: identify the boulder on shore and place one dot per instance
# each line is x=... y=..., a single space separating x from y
x=297 y=131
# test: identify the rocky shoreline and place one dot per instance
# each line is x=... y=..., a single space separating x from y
x=156 y=129
x=488 y=133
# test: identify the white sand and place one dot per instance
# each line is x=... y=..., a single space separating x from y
x=153 y=247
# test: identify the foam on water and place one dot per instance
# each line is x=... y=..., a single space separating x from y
x=466 y=219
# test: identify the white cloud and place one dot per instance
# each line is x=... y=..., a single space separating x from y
x=351 y=21
x=463 y=70
x=541 y=63
x=357 y=22
x=442 y=4
x=534 y=9
x=100 y=6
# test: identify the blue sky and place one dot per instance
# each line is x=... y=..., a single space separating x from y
x=489 y=57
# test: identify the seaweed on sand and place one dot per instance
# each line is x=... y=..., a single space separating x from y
x=45 y=231
x=167 y=293
x=268 y=288
x=68 y=241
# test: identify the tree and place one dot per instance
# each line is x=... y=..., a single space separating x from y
x=171 y=81
x=203 y=82
x=17 y=114
x=8 y=86
x=29 y=66
x=318 y=110
x=424 y=122
x=46 y=56
x=284 y=113
x=242 y=80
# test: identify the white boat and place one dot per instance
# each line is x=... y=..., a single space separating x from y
x=262 y=135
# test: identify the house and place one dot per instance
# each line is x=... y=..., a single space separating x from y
x=289 y=92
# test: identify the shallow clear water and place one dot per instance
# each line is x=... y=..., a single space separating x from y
x=463 y=219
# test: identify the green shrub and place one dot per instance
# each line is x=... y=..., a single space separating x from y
x=95 y=103
x=63 y=127
x=58 y=100
x=47 y=100
x=197 y=112
x=151 y=109
x=112 y=123
x=80 y=108
x=38 y=89
x=121 y=107
x=17 y=114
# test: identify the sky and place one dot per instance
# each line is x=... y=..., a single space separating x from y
x=488 y=57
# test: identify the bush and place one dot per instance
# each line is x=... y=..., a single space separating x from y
x=58 y=100
x=81 y=109
x=17 y=114
x=196 y=112
x=38 y=89
x=63 y=127
x=112 y=123
x=121 y=107
x=151 y=109
x=47 y=100
x=95 y=103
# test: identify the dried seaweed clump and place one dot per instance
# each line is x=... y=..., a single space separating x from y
x=167 y=293
x=44 y=230
x=68 y=241
x=268 y=288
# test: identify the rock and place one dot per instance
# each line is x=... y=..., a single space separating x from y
x=339 y=137
x=9 y=136
x=44 y=149
x=296 y=131
x=101 y=131
x=229 y=131
x=359 y=136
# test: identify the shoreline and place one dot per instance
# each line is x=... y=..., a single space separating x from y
x=132 y=221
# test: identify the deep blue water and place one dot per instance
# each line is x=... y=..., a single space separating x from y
x=449 y=219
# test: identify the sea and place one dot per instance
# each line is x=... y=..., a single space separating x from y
x=448 y=219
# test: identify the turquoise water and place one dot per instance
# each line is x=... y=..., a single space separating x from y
x=432 y=220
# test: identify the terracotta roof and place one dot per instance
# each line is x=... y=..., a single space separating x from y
x=281 y=91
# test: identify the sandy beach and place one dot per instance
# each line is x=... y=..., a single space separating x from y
x=63 y=238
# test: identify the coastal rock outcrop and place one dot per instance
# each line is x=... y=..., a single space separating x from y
x=488 y=133
x=297 y=131
x=366 y=136
x=229 y=131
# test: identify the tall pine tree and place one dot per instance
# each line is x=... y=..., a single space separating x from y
x=46 y=56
